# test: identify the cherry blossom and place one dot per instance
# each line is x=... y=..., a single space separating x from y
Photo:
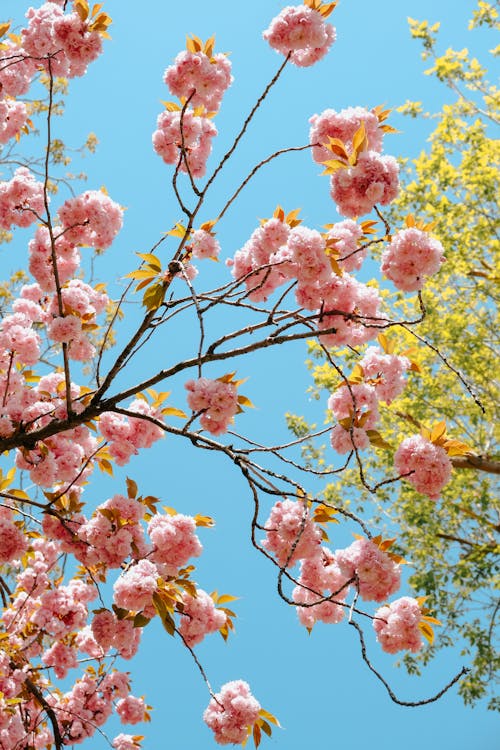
x=429 y=463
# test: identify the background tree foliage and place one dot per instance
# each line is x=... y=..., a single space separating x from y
x=452 y=545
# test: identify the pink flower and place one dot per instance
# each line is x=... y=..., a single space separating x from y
x=218 y=400
x=397 y=626
x=360 y=401
x=204 y=245
x=342 y=442
x=61 y=658
x=125 y=742
x=12 y=118
x=320 y=577
x=301 y=31
x=91 y=218
x=21 y=200
x=231 y=713
x=347 y=234
x=199 y=617
x=197 y=131
x=378 y=576
x=134 y=589
x=374 y=179
x=12 y=540
x=411 y=256
x=131 y=710
x=16 y=69
x=388 y=371
x=174 y=539
x=430 y=464
x=290 y=528
x=265 y=247
x=204 y=79
x=342 y=125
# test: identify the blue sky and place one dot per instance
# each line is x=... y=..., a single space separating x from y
x=317 y=685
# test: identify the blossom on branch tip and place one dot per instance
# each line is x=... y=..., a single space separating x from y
x=91 y=219
x=373 y=179
x=197 y=133
x=291 y=534
x=202 y=78
x=301 y=31
x=429 y=463
x=377 y=574
x=343 y=125
x=232 y=713
x=397 y=626
x=411 y=256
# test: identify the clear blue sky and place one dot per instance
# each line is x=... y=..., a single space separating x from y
x=317 y=685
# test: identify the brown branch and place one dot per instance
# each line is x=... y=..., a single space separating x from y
x=37 y=694
x=478 y=463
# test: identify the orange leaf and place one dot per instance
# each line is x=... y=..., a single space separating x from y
x=438 y=431
x=426 y=631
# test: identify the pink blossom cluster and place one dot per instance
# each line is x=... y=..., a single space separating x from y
x=301 y=31
x=264 y=262
x=111 y=633
x=131 y=710
x=19 y=344
x=12 y=730
x=350 y=311
x=61 y=42
x=373 y=179
x=67 y=258
x=275 y=254
x=174 y=541
x=91 y=219
x=216 y=399
x=196 y=138
x=113 y=533
x=12 y=540
x=126 y=435
x=377 y=575
x=89 y=704
x=411 y=256
x=63 y=457
x=63 y=610
x=232 y=713
x=81 y=305
x=343 y=125
x=201 y=78
x=184 y=137
x=33 y=582
x=384 y=380
x=16 y=69
x=125 y=742
x=358 y=400
x=397 y=626
x=134 y=589
x=320 y=577
x=343 y=439
x=61 y=657
x=200 y=617
x=347 y=235
x=55 y=616
x=13 y=116
x=429 y=463
x=21 y=200
x=387 y=372
x=291 y=534
x=203 y=244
